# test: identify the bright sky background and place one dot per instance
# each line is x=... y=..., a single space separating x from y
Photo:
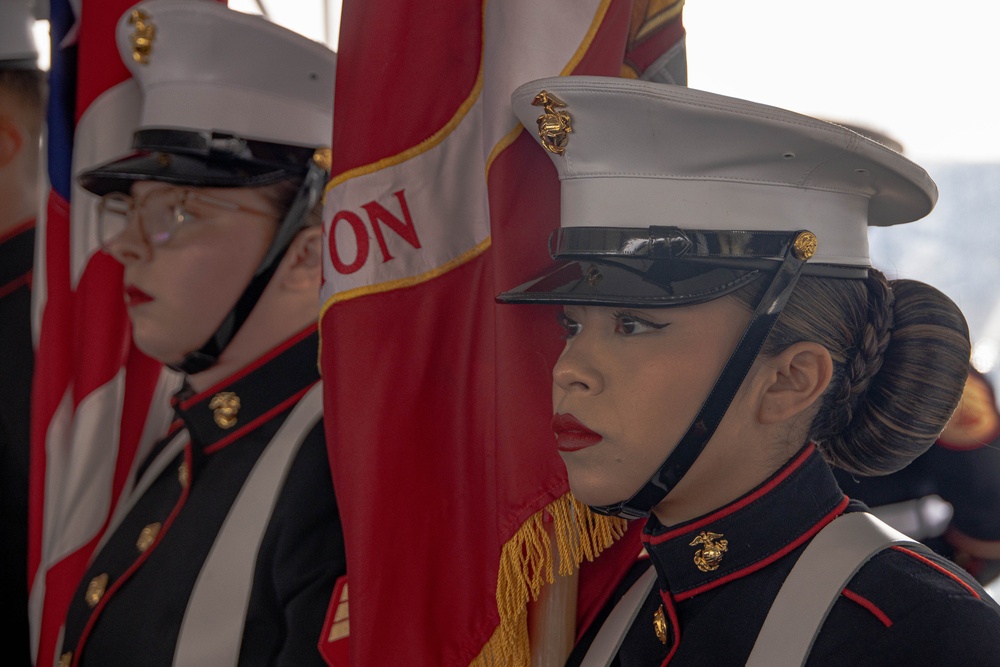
x=922 y=72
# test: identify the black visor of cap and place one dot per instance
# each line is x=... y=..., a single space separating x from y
x=208 y=159
x=655 y=266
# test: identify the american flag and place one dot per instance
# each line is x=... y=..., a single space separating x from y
x=91 y=414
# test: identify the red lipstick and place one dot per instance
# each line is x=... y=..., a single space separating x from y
x=571 y=435
x=135 y=296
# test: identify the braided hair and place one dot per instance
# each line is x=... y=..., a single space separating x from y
x=900 y=353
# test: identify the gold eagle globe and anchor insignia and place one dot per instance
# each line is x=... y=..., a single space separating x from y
x=708 y=557
x=554 y=125
x=142 y=37
x=226 y=405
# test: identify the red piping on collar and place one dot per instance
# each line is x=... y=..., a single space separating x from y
x=263 y=419
x=14 y=231
x=930 y=563
x=740 y=504
x=15 y=284
x=788 y=548
x=246 y=370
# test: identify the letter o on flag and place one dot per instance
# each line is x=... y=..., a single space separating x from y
x=360 y=237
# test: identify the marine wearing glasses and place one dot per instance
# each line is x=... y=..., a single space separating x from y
x=160 y=213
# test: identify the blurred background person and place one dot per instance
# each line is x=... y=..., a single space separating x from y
x=227 y=545
x=949 y=497
x=22 y=110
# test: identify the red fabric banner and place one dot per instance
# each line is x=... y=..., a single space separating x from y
x=437 y=400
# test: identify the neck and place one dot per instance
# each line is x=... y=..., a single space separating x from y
x=275 y=319
x=731 y=465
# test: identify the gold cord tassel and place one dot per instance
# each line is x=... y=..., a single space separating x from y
x=526 y=565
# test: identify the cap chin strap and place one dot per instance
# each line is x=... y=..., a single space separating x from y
x=680 y=460
x=307 y=196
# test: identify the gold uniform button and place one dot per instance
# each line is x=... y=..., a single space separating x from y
x=183 y=474
x=66 y=659
x=147 y=536
x=660 y=625
x=95 y=589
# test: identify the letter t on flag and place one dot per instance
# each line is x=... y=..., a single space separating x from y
x=437 y=403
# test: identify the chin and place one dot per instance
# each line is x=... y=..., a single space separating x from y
x=596 y=490
x=162 y=351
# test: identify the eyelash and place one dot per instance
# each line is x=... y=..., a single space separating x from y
x=571 y=328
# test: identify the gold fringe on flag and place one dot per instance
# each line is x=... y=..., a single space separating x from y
x=526 y=564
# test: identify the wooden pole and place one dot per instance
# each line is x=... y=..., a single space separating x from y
x=552 y=617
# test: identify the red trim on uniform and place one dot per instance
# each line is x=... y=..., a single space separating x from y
x=740 y=504
x=940 y=569
x=120 y=581
x=14 y=231
x=246 y=370
x=264 y=418
x=675 y=625
x=791 y=546
x=869 y=605
x=15 y=284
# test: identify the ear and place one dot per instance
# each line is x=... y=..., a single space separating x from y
x=11 y=141
x=302 y=265
x=793 y=381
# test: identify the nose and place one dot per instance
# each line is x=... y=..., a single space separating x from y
x=574 y=372
x=130 y=246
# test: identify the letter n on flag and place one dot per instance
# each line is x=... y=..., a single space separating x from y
x=91 y=415
x=438 y=401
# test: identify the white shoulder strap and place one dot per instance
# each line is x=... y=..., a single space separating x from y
x=814 y=585
x=609 y=638
x=212 y=629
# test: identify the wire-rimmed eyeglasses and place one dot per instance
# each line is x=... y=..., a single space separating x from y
x=160 y=213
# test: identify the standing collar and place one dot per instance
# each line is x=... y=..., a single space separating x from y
x=252 y=396
x=748 y=534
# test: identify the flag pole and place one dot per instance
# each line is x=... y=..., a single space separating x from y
x=552 y=617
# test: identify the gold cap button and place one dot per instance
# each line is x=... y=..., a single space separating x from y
x=95 y=589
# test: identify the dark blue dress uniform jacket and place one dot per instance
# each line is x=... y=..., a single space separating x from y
x=134 y=605
x=906 y=606
x=17 y=249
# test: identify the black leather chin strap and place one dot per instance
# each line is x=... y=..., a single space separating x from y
x=680 y=460
x=307 y=196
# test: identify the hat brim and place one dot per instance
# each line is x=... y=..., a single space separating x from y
x=119 y=175
x=632 y=282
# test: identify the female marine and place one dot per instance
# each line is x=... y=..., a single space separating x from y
x=726 y=342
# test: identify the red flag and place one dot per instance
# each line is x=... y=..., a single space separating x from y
x=437 y=400
x=92 y=391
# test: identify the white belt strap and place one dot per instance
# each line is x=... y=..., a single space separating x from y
x=609 y=638
x=212 y=630
x=814 y=585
